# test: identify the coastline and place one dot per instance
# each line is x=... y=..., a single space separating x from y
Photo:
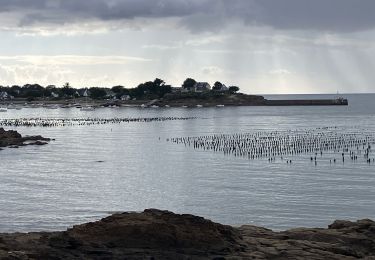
x=200 y=100
x=156 y=234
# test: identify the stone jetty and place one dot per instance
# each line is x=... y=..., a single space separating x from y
x=14 y=139
x=156 y=234
x=308 y=102
x=239 y=99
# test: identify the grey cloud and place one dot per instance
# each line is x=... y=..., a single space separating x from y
x=203 y=15
x=333 y=15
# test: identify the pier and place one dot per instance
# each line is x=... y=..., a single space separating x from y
x=308 y=102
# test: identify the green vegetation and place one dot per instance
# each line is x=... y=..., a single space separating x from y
x=145 y=91
x=234 y=89
x=189 y=84
x=217 y=86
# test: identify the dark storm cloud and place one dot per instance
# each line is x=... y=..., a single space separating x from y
x=337 y=15
x=329 y=15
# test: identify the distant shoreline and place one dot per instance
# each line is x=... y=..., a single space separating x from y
x=177 y=101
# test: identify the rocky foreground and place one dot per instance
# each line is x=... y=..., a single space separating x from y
x=13 y=139
x=156 y=234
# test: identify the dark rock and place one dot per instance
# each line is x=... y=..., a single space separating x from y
x=13 y=139
x=156 y=234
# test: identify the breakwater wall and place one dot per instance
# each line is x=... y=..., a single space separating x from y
x=308 y=102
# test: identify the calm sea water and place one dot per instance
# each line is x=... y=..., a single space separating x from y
x=92 y=171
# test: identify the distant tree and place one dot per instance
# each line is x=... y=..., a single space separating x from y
x=118 y=89
x=151 y=89
x=160 y=88
x=136 y=92
x=189 y=84
x=15 y=90
x=217 y=86
x=234 y=89
x=67 y=90
x=159 y=82
x=97 y=93
x=32 y=90
x=52 y=89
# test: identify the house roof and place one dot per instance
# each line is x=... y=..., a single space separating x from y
x=202 y=85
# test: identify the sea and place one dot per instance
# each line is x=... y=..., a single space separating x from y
x=91 y=171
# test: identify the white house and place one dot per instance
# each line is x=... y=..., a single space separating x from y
x=55 y=95
x=202 y=87
x=86 y=93
x=125 y=97
x=224 y=88
x=4 y=95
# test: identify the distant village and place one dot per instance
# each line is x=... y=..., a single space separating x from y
x=144 y=91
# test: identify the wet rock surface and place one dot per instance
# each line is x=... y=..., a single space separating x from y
x=155 y=234
x=13 y=139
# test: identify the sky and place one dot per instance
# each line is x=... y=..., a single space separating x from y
x=262 y=46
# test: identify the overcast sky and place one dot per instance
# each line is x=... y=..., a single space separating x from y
x=263 y=46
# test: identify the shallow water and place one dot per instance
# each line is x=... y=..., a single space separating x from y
x=92 y=171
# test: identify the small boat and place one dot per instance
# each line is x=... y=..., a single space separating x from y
x=143 y=106
x=167 y=106
x=184 y=106
x=199 y=106
x=220 y=105
x=52 y=107
x=87 y=108
x=3 y=109
x=155 y=106
x=13 y=107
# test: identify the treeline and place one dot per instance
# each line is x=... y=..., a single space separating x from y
x=147 y=90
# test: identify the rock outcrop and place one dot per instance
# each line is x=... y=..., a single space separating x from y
x=155 y=234
x=14 y=139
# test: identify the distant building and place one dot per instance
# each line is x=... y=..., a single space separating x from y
x=176 y=89
x=110 y=94
x=223 y=88
x=202 y=87
x=86 y=93
x=4 y=95
x=125 y=97
x=55 y=95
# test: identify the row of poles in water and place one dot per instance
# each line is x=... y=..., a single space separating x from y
x=60 y=122
x=285 y=144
